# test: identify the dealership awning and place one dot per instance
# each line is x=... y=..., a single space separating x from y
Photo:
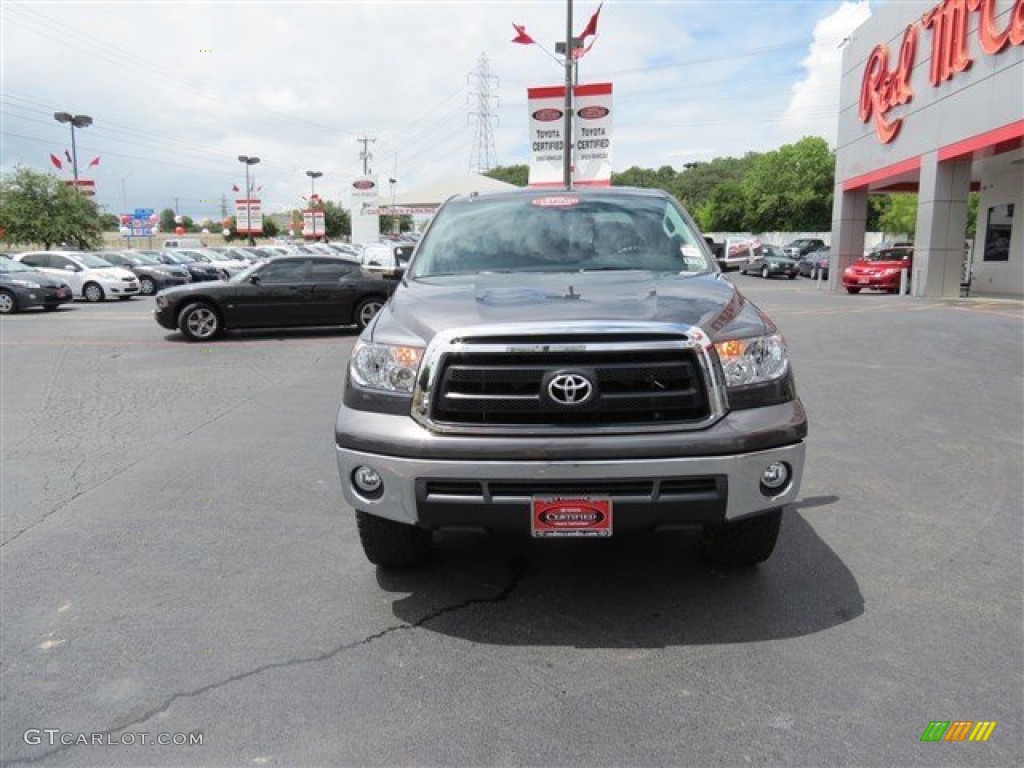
x=432 y=196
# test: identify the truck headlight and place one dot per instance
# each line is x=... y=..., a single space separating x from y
x=752 y=361
x=385 y=366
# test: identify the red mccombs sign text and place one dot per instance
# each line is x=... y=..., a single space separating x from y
x=949 y=23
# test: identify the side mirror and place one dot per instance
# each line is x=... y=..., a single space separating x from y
x=71 y=268
x=255 y=279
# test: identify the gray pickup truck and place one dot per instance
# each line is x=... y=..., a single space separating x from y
x=568 y=363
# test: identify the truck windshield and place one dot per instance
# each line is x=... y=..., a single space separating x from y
x=557 y=233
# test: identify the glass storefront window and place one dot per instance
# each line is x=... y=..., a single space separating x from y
x=997 y=233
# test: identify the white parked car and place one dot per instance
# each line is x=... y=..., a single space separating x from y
x=89 y=276
x=387 y=259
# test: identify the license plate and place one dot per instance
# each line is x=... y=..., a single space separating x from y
x=864 y=280
x=571 y=516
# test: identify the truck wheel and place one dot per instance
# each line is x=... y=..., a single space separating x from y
x=390 y=544
x=747 y=542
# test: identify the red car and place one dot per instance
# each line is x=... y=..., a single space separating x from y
x=879 y=270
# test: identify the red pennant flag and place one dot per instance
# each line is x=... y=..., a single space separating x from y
x=68 y=156
x=56 y=161
x=591 y=28
x=234 y=188
x=95 y=161
x=579 y=53
x=521 y=37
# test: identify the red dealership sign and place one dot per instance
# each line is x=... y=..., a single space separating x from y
x=949 y=24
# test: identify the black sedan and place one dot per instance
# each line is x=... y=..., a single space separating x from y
x=199 y=270
x=153 y=275
x=22 y=287
x=815 y=264
x=771 y=262
x=284 y=292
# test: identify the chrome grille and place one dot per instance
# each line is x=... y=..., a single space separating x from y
x=504 y=382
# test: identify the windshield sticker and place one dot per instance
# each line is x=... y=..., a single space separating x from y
x=560 y=201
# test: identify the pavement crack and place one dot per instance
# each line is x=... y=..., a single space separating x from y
x=79 y=491
x=517 y=569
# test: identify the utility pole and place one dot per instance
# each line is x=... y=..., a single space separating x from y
x=223 y=206
x=567 y=138
x=365 y=155
x=483 y=157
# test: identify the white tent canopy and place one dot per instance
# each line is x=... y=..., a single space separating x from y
x=435 y=194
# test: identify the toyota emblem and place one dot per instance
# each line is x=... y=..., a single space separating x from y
x=570 y=389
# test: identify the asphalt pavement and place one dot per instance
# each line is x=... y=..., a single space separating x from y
x=177 y=561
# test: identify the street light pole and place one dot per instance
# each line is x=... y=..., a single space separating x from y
x=313 y=176
x=248 y=202
x=77 y=121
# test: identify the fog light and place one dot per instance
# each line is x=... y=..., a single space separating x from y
x=368 y=481
x=774 y=478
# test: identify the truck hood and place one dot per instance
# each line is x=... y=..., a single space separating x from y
x=420 y=308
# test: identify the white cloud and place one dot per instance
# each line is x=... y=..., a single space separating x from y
x=813 y=107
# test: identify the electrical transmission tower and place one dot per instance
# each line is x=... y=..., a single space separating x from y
x=483 y=99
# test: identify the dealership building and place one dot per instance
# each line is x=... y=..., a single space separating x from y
x=932 y=102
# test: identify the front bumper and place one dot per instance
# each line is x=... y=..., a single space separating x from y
x=872 y=282
x=120 y=288
x=654 y=480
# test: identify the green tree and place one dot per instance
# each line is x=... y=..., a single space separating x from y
x=695 y=185
x=725 y=210
x=900 y=216
x=791 y=188
x=40 y=208
x=167 y=220
x=513 y=174
x=337 y=220
x=110 y=222
x=270 y=228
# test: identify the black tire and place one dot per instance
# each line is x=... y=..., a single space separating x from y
x=366 y=310
x=764 y=272
x=199 y=322
x=147 y=286
x=792 y=275
x=852 y=289
x=393 y=545
x=8 y=303
x=93 y=292
x=747 y=542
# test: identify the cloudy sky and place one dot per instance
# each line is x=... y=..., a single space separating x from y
x=178 y=90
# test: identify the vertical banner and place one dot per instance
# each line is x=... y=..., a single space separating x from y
x=592 y=135
x=313 y=225
x=592 y=126
x=547 y=112
x=248 y=217
x=365 y=226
